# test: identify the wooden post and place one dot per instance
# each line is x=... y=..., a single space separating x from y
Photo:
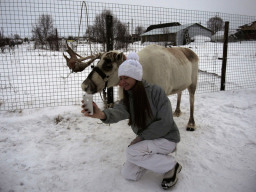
x=109 y=35
x=224 y=59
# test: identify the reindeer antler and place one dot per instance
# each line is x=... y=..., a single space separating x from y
x=75 y=64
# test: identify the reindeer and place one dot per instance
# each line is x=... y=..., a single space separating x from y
x=174 y=69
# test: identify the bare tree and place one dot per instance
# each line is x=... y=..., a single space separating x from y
x=2 y=41
x=97 y=31
x=139 y=30
x=53 y=41
x=42 y=30
x=215 y=24
x=16 y=36
x=121 y=36
x=5 y=42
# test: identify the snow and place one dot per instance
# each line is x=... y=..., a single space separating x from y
x=201 y=39
x=58 y=149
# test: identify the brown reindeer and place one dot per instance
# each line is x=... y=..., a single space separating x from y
x=174 y=69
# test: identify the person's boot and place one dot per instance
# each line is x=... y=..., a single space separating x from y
x=170 y=178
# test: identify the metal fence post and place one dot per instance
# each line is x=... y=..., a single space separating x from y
x=224 y=59
x=109 y=35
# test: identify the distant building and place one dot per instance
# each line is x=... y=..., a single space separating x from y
x=219 y=36
x=175 y=35
x=151 y=27
x=247 y=32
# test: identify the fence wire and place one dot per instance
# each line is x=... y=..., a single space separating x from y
x=33 y=33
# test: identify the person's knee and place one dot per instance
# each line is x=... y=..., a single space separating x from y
x=133 y=153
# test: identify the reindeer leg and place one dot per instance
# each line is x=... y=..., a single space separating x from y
x=177 y=111
x=191 y=123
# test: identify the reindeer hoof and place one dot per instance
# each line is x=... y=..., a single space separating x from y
x=190 y=129
x=191 y=126
x=177 y=113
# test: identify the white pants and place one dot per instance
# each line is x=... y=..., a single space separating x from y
x=148 y=155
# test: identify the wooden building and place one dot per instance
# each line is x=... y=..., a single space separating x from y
x=175 y=35
x=247 y=32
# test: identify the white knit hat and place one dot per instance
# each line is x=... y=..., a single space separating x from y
x=131 y=67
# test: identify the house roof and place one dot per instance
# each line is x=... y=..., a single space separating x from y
x=250 y=26
x=174 y=29
x=151 y=27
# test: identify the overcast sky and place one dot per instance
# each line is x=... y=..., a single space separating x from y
x=18 y=17
x=241 y=7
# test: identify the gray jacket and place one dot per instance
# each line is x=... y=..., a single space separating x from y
x=161 y=125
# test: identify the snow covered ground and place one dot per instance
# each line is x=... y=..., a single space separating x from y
x=57 y=149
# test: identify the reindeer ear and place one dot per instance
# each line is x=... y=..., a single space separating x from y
x=121 y=57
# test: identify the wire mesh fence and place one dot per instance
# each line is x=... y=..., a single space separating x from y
x=33 y=34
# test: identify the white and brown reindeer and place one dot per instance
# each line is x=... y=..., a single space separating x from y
x=174 y=69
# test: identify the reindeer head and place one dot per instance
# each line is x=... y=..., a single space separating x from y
x=105 y=71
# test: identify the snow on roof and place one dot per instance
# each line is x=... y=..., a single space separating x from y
x=174 y=29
